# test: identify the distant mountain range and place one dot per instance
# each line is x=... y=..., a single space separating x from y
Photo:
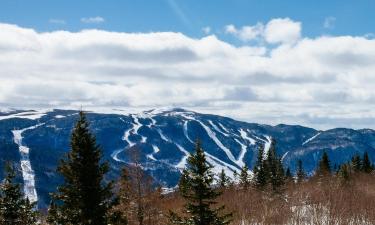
x=36 y=140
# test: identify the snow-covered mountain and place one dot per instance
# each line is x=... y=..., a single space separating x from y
x=36 y=140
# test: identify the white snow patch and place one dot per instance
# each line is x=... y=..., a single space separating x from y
x=32 y=115
x=241 y=156
x=212 y=135
x=182 y=164
x=245 y=136
x=217 y=129
x=225 y=129
x=27 y=171
x=310 y=139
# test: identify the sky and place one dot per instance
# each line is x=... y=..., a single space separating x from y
x=295 y=62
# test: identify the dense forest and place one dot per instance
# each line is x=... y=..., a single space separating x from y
x=265 y=194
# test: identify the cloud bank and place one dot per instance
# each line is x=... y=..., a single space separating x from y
x=321 y=82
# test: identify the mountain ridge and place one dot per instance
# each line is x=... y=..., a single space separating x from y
x=164 y=138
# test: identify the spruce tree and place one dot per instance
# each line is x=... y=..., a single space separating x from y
x=83 y=198
x=196 y=188
x=301 y=175
x=244 y=177
x=356 y=163
x=288 y=175
x=275 y=169
x=366 y=164
x=260 y=173
x=324 y=167
x=224 y=180
x=15 y=209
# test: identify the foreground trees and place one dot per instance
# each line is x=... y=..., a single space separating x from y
x=196 y=187
x=15 y=209
x=83 y=198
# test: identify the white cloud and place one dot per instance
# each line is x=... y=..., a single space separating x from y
x=96 y=19
x=321 y=82
x=245 y=33
x=57 y=21
x=329 y=22
x=282 y=31
x=276 y=31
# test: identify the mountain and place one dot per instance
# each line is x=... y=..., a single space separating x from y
x=37 y=140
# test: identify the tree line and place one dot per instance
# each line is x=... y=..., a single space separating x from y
x=87 y=198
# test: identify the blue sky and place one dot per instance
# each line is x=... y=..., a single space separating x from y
x=189 y=16
x=297 y=62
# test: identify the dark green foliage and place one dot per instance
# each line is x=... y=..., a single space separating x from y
x=244 y=177
x=324 y=167
x=301 y=175
x=275 y=169
x=366 y=164
x=196 y=188
x=224 y=180
x=356 y=163
x=260 y=172
x=15 y=209
x=83 y=199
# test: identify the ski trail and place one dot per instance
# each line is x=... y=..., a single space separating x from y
x=241 y=156
x=27 y=171
x=217 y=128
x=186 y=131
x=310 y=139
x=218 y=165
x=267 y=145
x=245 y=136
x=132 y=131
x=156 y=150
x=283 y=157
x=181 y=165
x=224 y=129
x=212 y=135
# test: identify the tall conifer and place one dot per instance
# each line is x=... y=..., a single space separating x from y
x=83 y=198
x=196 y=188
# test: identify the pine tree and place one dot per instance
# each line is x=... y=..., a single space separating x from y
x=356 y=163
x=260 y=173
x=83 y=199
x=244 y=177
x=275 y=169
x=224 y=180
x=196 y=188
x=324 y=167
x=15 y=209
x=301 y=175
x=366 y=164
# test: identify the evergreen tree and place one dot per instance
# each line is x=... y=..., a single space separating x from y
x=275 y=169
x=301 y=175
x=324 y=167
x=15 y=209
x=244 y=177
x=366 y=164
x=224 y=180
x=83 y=199
x=356 y=163
x=196 y=188
x=260 y=173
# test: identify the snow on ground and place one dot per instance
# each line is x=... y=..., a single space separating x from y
x=245 y=136
x=27 y=171
x=32 y=115
x=212 y=135
x=217 y=129
x=312 y=138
